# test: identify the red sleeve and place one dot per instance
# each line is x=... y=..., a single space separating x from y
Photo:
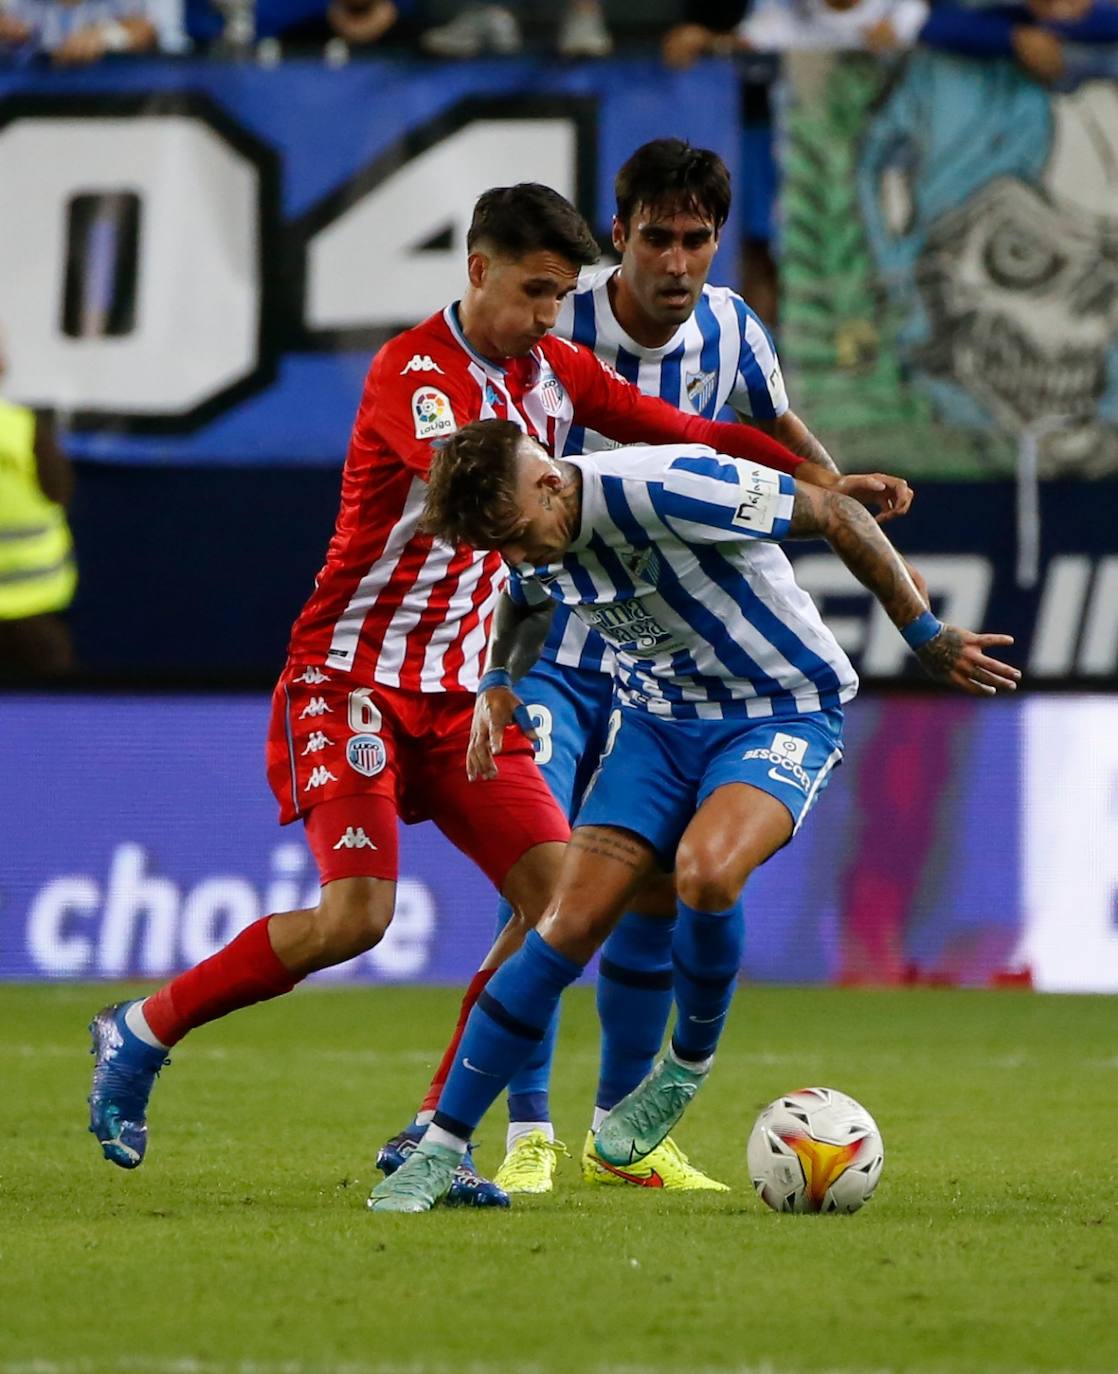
x=614 y=407
x=408 y=411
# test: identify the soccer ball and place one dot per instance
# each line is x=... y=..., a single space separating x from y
x=815 y=1150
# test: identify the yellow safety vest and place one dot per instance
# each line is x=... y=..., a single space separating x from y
x=37 y=572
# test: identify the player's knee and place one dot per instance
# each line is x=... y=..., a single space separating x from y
x=351 y=925
x=706 y=881
x=656 y=896
x=575 y=931
x=532 y=880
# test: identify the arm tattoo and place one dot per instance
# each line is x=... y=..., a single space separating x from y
x=808 y=446
x=857 y=539
x=526 y=644
x=795 y=435
x=518 y=635
x=605 y=843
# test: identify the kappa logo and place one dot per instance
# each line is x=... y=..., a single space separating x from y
x=355 y=838
x=776 y=381
x=421 y=362
x=365 y=754
x=317 y=741
x=432 y=412
x=316 y=707
x=312 y=676
x=319 y=777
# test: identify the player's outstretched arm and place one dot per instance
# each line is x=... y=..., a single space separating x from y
x=518 y=633
x=947 y=653
x=605 y=401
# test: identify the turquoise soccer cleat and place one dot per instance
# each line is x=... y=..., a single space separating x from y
x=419 y=1183
x=645 y=1117
x=469 y=1188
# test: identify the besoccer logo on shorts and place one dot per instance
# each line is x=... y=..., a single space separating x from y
x=432 y=412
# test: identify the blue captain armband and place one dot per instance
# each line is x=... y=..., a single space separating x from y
x=922 y=629
x=494 y=677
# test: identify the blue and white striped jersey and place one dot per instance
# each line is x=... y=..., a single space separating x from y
x=675 y=567
x=51 y=23
x=721 y=356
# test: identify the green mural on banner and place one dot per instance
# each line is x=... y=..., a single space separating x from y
x=950 y=267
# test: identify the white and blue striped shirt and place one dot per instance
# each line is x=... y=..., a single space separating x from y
x=674 y=566
x=721 y=356
x=51 y=23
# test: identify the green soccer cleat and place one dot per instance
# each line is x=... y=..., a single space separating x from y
x=644 y=1118
x=664 y=1167
x=529 y=1167
x=421 y=1181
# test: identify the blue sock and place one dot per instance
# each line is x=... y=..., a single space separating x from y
x=706 y=951
x=634 y=1002
x=528 y=1090
x=510 y=1018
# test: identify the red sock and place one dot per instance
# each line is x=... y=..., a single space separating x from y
x=442 y=1073
x=247 y=970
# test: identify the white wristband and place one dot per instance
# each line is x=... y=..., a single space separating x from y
x=115 y=37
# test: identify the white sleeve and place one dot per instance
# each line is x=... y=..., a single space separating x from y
x=759 y=390
x=166 y=15
x=719 y=500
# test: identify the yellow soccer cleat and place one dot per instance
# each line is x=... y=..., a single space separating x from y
x=665 y=1167
x=529 y=1167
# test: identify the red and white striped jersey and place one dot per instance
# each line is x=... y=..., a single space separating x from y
x=393 y=605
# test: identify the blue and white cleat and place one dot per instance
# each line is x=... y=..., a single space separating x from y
x=123 y=1074
x=467 y=1189
x=393 y=1153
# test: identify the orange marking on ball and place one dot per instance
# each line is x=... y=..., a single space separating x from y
x=822 y=1163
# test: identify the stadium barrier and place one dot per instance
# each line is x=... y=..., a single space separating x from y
x=962 y=842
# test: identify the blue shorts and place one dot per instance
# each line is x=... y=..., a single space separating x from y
x=570 y=708
x=656 y=772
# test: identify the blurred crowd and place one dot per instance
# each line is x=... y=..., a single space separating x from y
x=1055 y=41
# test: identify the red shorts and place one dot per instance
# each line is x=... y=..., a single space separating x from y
x=350 y=760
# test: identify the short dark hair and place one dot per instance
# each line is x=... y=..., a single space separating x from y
x=530 y=218
x=471 y=488
x=669 y=175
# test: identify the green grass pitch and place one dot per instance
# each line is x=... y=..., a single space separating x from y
x=243 y=1245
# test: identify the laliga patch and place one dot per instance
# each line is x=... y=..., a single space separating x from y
x=431 y=410
x=365 y=755
x=789 y=747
